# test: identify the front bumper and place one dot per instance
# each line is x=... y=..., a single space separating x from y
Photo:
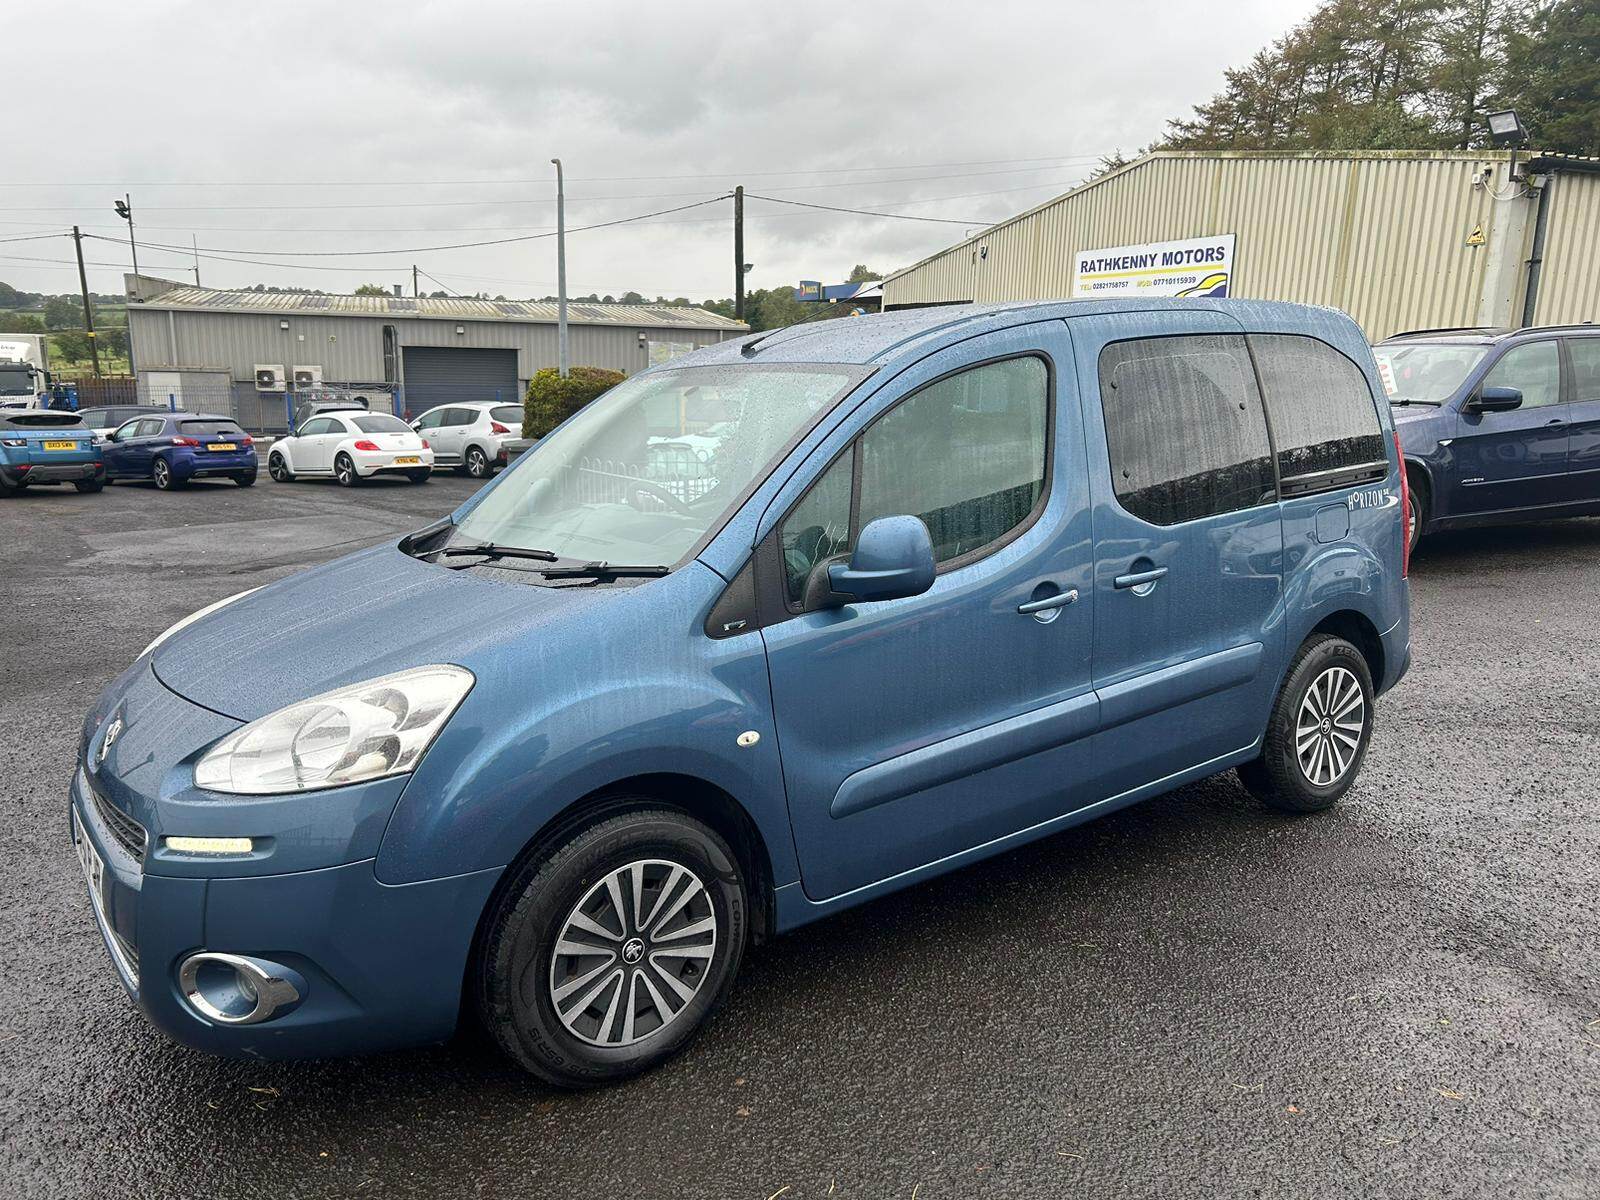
x=51 y=472
x=383 y=965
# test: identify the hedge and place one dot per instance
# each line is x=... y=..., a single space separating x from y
x=552 y=399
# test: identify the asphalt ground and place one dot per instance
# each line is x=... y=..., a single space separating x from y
x=1193 y=997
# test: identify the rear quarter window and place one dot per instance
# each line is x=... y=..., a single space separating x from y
x=1184 y=427
x=507 y=414
x=378 y=423
x=1323 y=415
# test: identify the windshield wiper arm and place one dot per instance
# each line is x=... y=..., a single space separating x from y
x=603 y=570
x=488 y=550
x=1404 y=400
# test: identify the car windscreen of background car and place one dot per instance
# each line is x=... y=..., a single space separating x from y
x=642 y=473
x=507 y=414
x=381 y=423
x=1430 y=373
x=209 y=429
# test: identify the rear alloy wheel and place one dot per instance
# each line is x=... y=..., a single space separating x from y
x=344 y=470
x=161 y=472
x=88 y=486
x=606 y=956
x=279 y=469
x=1318 y=733
x=478 y=464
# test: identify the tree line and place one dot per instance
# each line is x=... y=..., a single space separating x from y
x=1409 y=75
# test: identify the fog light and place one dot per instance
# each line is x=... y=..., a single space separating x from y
x=231 y=989
x=210 y=845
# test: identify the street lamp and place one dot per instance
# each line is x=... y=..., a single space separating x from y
x=124 y=209
x=1507 y=129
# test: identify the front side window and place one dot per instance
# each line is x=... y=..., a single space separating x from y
x=1184 y=427
x=641 y=474
x=1320 y=408
x=1426 y=372
x=431 y=420
x=1533 y=369
x=149 y=428
x=819 y=526
x=317 y=427
x=125 y=432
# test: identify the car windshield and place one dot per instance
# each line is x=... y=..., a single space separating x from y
x=381 y=423
x=1428 y=371
x=642 y=473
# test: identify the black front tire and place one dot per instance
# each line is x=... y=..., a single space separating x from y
x=515 y=961
x=1279 y=778
x=89 y=486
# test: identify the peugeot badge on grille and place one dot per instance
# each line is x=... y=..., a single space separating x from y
x=109 y=739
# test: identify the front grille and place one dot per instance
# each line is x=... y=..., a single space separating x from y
x=130 y=835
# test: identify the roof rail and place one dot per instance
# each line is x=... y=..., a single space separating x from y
x=1560 y=325
x=1488 y=330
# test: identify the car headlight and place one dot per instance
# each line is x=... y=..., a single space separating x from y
x=193 y=617
x=377 y=728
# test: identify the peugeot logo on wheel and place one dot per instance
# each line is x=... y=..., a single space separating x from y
x=112 y=733
x=633 y=951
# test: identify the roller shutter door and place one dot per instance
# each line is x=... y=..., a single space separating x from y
x=449 y=375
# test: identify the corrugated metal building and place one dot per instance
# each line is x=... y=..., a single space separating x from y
x=256 y=349
x=1400 y=240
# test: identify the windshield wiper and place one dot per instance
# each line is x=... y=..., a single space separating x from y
x=488 y=551
x=1402 y=401
x=603 y=570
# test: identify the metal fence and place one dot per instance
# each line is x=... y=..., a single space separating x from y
x=669 y=476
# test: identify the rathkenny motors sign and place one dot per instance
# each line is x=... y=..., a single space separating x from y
x=1190 y=267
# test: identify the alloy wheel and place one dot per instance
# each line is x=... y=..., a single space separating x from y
x=345 y=470
x=633 y=953
x=477 y=464
x=1329 y=726
x=162 y=474
x=276 y=469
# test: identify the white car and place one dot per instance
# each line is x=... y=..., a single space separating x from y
x=474 y=437
x=351 y=447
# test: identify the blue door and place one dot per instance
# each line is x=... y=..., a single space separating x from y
x=1583 y=420
x=1515 y=459
x=127 y=455
x=915 y=729
x=1188 y=544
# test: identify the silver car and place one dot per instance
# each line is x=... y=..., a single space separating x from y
x=475 y=437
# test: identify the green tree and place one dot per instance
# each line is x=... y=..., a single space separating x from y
x=114 y=341
x=20 y=323
x=70 y=345
x=1553 y=76
x=861 y=273
x=372 y=289
x=63 y=312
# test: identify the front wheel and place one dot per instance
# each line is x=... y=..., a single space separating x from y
x=279 y=469
x=344 y=470
x=161 y=472
x=606 y=955
x=1318 y=733
x=1417 y=513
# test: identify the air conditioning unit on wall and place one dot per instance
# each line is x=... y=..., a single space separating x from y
x=307 y=377
x=269 y=378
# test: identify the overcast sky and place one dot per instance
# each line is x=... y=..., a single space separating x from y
x=299 y=128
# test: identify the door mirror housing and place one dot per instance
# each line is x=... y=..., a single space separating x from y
x=893 y=559
x=1496 y=399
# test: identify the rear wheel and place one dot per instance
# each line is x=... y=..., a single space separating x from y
x=418 y=476
x=344 y=470
x=89 y=486
x=279 y=469
x=478 y=463
x=161 y=472
x=245 y=478
x=606 y=955
x=1319 y=729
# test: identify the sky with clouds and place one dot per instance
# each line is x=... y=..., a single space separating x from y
x=296 y=134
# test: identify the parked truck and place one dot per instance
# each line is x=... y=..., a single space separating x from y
x=24 y=373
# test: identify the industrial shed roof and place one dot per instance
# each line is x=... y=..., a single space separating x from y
x=194 y=299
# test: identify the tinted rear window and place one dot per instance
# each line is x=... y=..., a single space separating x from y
x=42 y=419
x=1323 y=415
x=210 y=429
x=378 y=423
x=1184 y=427
x=507 y=414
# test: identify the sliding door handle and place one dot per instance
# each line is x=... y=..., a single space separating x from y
x=1140 y=579
x=1059 y=600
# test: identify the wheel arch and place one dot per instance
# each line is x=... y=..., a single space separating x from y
x=1418 y=471
x=1356 y=628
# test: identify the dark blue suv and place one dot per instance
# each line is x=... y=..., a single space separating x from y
x=172 y=448
x=932 y=585
x=1497 y=425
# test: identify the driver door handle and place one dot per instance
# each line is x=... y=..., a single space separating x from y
x=1059 y=600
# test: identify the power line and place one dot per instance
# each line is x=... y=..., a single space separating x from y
x=865 y=212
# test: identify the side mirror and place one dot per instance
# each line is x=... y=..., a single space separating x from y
x=893 y=558
x=416 y=426
x=1496 y=399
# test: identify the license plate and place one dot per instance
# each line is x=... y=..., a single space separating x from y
x=94 y=867
x=61 y=445
x=224 y=445
x=408 y=461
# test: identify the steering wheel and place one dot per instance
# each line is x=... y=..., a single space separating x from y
x=636 y=487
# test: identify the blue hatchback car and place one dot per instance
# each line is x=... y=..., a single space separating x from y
x=942 y=582
x=173 y=448
x=1497 y=425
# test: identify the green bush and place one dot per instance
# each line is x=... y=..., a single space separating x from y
x=552 y=399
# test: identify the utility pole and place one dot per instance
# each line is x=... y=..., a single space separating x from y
x=88 y=309
x=561 y=271
x=738 y=253
x=415 y=290
x=124 y=209
x=195 y=242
